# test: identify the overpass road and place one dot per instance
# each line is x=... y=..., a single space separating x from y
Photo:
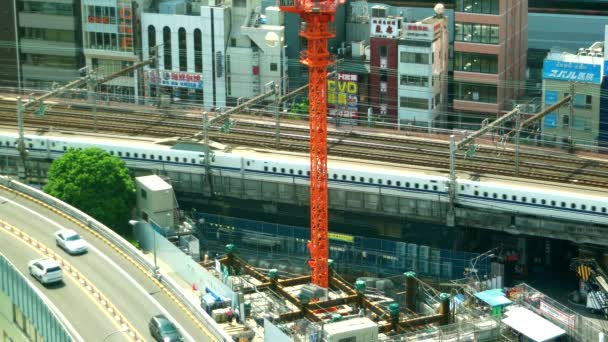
x=135 y=294
x=91 y=322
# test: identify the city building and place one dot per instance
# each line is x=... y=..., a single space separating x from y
x=579 y=74
x=423 y=73
x=408 y=69
x=50 y=48
x=490 y=43
x=110 y=31
x=230 y=48
x=603 y=136
x=385 y=32
x=9 y=54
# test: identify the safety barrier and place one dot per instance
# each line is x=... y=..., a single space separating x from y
x=205 y=323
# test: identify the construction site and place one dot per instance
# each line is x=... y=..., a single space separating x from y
x=252 y=299
x=254 y=288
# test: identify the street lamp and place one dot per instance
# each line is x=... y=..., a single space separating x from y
x=121 y=330
x=473 y=262
x=133 y=223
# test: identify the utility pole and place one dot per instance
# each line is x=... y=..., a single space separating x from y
x=157 y=68
x=92 y=95
x=518 y=129
x=21 y=142
x=451 y=219
x=277 y=116
x=336 y=105
x=571 y=121
x=206 y=125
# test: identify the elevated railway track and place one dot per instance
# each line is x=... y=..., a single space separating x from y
x=490 y=158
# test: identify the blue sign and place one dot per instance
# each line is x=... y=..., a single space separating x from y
x=569 y=71
x=550 y=97
x=551 y=120
x=606 y=67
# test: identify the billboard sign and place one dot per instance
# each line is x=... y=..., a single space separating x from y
x=551 y=311
x=570 y=71
x=550 y=120
x=385 y=27
x=176 y=79
x=344 y=95
x=419 y=31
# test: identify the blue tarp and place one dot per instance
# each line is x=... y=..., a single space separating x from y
x=494 y=297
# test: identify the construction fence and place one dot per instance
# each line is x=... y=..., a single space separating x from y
x=577 y=326
x=270 y=245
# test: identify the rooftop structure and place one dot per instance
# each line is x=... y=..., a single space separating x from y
x=580 y=74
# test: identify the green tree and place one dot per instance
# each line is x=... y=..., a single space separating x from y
x=299 y=108
x=95 y=182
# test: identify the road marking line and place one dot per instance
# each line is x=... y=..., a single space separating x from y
x=115 y=248
x=78 y=278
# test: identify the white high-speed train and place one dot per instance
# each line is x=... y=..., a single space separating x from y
x=539 y=199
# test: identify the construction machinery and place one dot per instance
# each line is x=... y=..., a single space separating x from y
x=316 y=16
x=595 y=284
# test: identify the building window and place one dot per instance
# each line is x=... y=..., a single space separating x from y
x=198 y=51
x=475 y=92
x=274 y=67
x=151 y=40
x=413 y=57
x=582 y=101
x=412 y=102
x=58 y=9
x=418 y=81
x=183 y=57
x=476 y=33
x=475 y=62
x=144 y=194
x=383 y=51
x=478 y=6
x=167 y=48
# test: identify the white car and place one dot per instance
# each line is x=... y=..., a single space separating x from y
x=70 y=241
x=47 y=271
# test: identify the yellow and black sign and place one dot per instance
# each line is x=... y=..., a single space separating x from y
x=341 y=237
x=584 y=272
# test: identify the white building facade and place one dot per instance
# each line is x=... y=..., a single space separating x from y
x=423 y=73
x=212 y=54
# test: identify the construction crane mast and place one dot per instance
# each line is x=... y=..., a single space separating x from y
x=316 y=15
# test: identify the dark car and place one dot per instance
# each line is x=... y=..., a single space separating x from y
x=163 y=330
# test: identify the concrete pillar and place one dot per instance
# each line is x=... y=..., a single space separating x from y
x=410 y=291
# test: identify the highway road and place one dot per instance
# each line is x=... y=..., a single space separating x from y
x=134 y=294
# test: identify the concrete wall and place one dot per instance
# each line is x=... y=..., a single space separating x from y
x=272 y=194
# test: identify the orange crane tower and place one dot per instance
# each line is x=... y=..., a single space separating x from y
x=316 y=15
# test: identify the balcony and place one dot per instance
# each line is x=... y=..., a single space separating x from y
x=47 y=21
x=48 y=73
x=46 y=47
x=475 y=106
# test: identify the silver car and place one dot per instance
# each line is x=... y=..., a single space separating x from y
x=70 y=241
x=47 y=271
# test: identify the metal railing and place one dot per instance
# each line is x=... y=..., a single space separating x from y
x=125 y=247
